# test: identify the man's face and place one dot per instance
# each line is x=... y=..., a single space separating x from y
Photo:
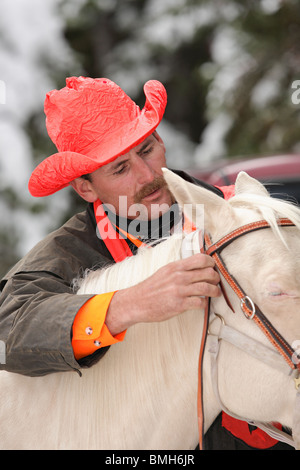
x=133 y=183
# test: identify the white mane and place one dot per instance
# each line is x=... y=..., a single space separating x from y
x=269 y=208
x=166 y=251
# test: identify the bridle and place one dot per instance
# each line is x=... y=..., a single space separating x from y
x=251 y=312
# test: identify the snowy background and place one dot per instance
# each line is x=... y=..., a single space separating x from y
x=228 y=67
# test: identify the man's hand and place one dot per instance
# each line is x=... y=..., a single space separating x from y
x=179 y=286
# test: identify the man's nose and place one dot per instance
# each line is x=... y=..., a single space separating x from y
x=144 y=171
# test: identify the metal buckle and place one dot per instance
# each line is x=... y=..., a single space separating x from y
x=249 y=304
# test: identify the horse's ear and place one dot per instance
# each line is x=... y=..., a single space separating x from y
x=246 y=184
x=195 y=201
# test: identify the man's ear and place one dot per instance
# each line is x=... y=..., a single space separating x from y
x=85 y=189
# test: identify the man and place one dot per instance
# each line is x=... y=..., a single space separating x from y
x=111 y=154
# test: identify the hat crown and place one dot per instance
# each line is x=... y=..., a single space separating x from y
x=81 y=114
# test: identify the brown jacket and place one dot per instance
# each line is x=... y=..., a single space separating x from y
x=37 y=303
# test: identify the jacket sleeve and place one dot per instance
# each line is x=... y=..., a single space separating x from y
x=37 y=311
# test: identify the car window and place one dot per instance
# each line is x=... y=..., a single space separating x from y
x=288 y=190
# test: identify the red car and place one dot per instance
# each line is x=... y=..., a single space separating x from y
x=280 y=174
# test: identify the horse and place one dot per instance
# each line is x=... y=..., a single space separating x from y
x=142 y=394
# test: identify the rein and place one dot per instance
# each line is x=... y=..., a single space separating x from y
x=251 y=312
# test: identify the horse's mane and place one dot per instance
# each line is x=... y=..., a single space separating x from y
x=135 y=267
x=269 y=208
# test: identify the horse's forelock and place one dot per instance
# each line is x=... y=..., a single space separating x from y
x=270 y=209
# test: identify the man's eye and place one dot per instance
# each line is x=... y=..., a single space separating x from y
x=147 y=150
x=120 y=170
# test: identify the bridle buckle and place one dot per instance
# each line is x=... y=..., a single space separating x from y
x=247 y=305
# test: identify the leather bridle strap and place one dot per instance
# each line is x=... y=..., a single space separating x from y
x=249 y=308
x=251 y=227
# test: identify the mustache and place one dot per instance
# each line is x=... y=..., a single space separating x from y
x=158 y=183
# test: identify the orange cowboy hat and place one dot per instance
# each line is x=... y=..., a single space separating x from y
x=92 y=122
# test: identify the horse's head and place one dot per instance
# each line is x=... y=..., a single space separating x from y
x=266 y=264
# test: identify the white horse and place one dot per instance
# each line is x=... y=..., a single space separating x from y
x=143 y=393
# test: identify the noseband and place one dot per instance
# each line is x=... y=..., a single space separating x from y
x=248 y=307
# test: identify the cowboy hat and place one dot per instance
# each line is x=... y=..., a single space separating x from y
x=92 y=122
